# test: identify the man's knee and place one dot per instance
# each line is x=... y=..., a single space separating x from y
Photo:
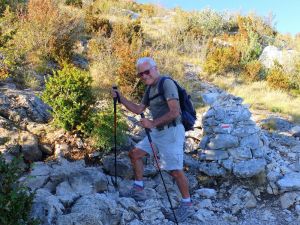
x=135 y=154
x=177 y=173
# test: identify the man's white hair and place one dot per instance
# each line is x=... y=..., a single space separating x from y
x=148 y=60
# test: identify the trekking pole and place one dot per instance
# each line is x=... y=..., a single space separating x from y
x=116 y=99
x=157 y=165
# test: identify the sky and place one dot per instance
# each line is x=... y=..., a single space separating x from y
x=286 y=13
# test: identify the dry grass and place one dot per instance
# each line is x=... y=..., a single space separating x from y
x=258 y=94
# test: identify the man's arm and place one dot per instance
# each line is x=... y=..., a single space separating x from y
x=174 y=111
x=135 y=108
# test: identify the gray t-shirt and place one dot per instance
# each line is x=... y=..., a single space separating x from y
x=158 y=106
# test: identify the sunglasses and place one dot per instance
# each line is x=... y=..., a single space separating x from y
x=146 y=72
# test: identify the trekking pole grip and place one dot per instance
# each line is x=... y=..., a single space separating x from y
x=115 y=88
x=146 y=129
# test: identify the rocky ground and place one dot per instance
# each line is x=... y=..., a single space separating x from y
x=243 y=168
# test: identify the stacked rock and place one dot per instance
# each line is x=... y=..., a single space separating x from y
x=231 y=138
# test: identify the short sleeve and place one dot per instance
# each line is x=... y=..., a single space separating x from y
x=170 y=90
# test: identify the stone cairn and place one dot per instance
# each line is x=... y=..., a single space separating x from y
x=231 y=140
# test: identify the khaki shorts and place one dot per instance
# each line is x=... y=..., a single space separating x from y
x=169 y=144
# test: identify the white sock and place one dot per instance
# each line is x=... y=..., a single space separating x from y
x=186 y=200
x=139 y=183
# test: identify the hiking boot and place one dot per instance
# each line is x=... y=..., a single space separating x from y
x=184 y=211
x=136 y=192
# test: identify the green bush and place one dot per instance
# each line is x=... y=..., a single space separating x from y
x=252 y=49
x=15 y=200
x=101 y=128
x=69 y=94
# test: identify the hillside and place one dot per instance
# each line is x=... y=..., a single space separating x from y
x=59 y=60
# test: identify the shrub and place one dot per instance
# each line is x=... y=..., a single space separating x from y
x=247 y=42
x=221 y=59
x=127 y=79
x=43 y=37
x=96 y=23
x=130 y=32
x=251 y=49
x=170 y=63
x=295 y=77
x=277 y=78
x=3 y=73
x=253 y=71
x=252 y=35
x=126 y=47
x=13 y=4
x=8 y=27
x=77 y=3
x=101 y=128
x=200 y=24
x=114 y=6
x=69 y=94
x=104 y=6
x=148 y=10
x=257 y=25
x=15 y=200
x=103 y=66
x=270 y=124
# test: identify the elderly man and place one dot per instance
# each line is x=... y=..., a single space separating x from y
x=167 y=134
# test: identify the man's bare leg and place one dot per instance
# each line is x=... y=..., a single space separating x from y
x=136 y=155
x=182 y=182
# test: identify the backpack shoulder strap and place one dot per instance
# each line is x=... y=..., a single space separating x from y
x=161 y=86
x=147 y=95
x=160 y=89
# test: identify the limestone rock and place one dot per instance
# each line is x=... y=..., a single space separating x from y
x=223 y=141
x=124 y=168
x=212 y=169
x=290 y=182
x=30 y=147
x=250 y=168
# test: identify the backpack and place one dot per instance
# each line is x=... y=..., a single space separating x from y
x=188 y=113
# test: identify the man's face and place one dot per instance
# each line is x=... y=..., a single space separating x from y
x=147 y=73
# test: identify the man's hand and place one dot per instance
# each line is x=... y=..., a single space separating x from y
x=115 y=93
x=146 y=123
